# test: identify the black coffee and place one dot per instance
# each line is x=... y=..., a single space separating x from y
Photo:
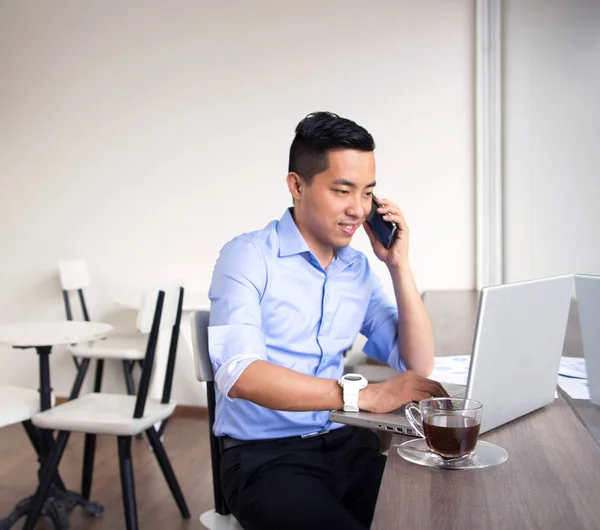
x=451 y=435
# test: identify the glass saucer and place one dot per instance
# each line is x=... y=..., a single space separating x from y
x=485 y=455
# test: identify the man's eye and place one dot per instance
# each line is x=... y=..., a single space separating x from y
x=369 y=194
x=341 y=192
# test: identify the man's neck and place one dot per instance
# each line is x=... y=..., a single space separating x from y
x=324 y=253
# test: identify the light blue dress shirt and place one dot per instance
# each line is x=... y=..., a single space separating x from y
x=271 y=300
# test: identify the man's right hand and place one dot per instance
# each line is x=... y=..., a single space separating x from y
x=397 y=391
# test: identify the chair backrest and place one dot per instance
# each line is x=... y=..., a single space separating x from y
x=204 y=372
x=176 y=299
x=159 y=310
x=199 y=322
x=74 y=276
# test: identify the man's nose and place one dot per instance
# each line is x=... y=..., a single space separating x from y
x=356 y=207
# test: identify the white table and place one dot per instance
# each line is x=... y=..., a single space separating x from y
x=43 y=336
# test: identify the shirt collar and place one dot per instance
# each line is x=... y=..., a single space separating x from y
x=346 y=254
x=291 y=241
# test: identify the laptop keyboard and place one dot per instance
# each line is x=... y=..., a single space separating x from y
x=454 y=390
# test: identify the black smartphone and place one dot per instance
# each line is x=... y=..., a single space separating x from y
x=384 y=230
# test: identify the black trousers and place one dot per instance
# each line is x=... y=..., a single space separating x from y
x=326 y=482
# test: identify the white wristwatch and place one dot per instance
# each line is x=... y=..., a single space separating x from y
x=351 y=384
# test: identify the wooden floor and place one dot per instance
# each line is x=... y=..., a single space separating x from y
x=187 y=445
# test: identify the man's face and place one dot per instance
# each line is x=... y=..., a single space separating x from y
x=336 y=203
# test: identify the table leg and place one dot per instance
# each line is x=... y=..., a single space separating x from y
x=57 y=505
x=59 y=501
x=45 y=388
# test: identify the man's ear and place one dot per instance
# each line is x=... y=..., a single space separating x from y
x=295 y=185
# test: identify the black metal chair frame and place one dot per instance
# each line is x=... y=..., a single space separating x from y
x=49 y=470
x=216 y=451
x=82 y=366
x=207 y=375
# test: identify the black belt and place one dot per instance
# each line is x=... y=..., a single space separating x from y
x=229 y=442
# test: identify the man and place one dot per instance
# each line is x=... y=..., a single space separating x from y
x=286 y=302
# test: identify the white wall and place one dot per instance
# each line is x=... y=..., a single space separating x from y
x=142 y=135
x=552 y=152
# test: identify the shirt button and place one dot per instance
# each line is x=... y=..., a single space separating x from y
x=326 y=359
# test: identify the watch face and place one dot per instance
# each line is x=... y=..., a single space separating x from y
x=352 y=377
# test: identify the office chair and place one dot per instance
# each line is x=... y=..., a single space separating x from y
x=220 y=518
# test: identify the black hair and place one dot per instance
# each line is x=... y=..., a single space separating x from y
x=319 y=133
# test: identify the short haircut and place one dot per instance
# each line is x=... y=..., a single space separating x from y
x=319 y=133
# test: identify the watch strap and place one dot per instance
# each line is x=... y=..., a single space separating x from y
x=350 y=398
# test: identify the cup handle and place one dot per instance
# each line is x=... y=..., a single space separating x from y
x=410 y=416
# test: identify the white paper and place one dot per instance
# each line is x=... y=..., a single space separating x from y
x=455 y=379
x=572 y=373
x=575 y=388
x=573 y=367
x=454 y=369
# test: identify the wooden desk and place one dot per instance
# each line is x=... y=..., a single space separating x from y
x=550 y=480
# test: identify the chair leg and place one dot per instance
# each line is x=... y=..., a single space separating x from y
x=32 y=434
x=47 y=444
x=161 y=429
x=127 y=369
x=89 y=452
x=99 y=372
x=81 y=373
x=89 y=447
x=127 y=485
x=47 y=474
x=167 y=470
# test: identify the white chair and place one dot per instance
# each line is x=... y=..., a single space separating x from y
x=123 y=415
x=74 y=277
x=220 y=518
x=18 y=405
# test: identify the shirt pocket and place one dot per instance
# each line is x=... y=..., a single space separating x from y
x=349 y=315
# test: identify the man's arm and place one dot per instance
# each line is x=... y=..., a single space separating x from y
x=415 y=335
x=275 y=387
x=279 y=388
x=237 y=344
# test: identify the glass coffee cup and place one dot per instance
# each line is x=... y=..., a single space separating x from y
x=450 y=426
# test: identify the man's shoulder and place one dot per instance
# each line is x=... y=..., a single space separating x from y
x=262 y=241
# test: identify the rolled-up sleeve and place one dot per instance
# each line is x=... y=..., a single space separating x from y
x=235 y=337
x=381 y=328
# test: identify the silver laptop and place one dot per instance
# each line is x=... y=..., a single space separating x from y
x=517 y=346
x=587 y=289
